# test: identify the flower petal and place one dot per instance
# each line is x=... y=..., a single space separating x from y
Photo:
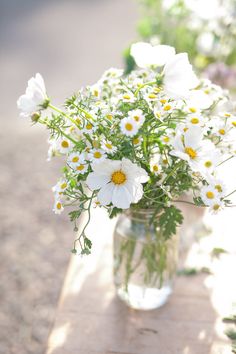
x=95 y=181
x=121 y=197
x=105 y=194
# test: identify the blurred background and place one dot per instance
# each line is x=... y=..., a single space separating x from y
x=71 y=43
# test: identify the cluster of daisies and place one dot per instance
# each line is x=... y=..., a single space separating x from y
x=140 y=140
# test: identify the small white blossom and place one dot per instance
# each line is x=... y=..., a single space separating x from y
x=129 y=126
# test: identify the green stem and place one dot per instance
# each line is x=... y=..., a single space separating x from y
x=59 y=130
x=63 y=113
x=150 y=83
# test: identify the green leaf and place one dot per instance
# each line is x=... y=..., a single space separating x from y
x=75 y=214
x=114 y=212
x=169 y=220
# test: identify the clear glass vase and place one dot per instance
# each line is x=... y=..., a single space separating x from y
x=144 y=262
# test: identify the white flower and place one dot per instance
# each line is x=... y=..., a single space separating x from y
x=89 y=128
x=218 y=185
x=75 y=158
x=81 y=168
x=179 y=77
x=119 y=182
x=190 y=146
x=96 y=155
x=34 y=98
x=209 y=194
x=58 y=206
x=60 y=187
x=127 y=97
x=209 y=162
x=155 y=165
x=216 y=206
x=109 y=147
x=146 y=55
x=137 y=115
x=137 y=141
x=63 y=145
x=129 y=126
x=198 y=100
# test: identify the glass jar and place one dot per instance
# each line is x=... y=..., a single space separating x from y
x=144 y=262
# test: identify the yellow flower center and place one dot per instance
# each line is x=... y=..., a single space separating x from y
x=78 y=121
x=155 y=168
x=158 y=114
x=109 y=116
x=208 y=164
x=191 y=153
x=194 y=120
x=222 y=131
x=219 y=188
x=152 y=96
x=157 y=89
x=185 y=129
x=192 y=109
x=227 y=115
x=166 y=139
x=210 y=195
x=58 y=205
x=80 y=168
x=137 y=118
x=126 y=97
x=96 y=93
x=63 y=185
x=136 y=141
x=163 y=101
x=75 y=159
x=97 y=155
x=216 y=207
x=118 y=177
x=89 y=126
x=128 y=126
x=65 y=144
x=167 y=107
x=234 y=123
x=207 y=91
x=109 y=146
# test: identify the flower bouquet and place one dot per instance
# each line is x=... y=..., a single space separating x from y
x=133 y=145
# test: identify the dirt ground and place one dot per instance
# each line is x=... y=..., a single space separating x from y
x=70 y=43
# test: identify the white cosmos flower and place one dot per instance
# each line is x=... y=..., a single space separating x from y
x=129 y=126
x=34 y=98
x=198 y=100
x=146 y=55
x=179 y=77
x=190 y=146
x=137 y=115
x=119 y=182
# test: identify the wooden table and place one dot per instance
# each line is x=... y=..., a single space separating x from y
x=92 y=320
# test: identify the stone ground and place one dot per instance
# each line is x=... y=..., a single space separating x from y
x=70 y=43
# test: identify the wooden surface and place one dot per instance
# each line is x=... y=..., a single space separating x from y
x=92 y=320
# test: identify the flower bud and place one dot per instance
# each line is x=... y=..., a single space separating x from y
x=35 y=117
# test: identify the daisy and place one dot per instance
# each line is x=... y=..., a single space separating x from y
x=96 y=155
x=137 y=141
x=137 y=115
x=58 y=206
x=155 y=165
x=118 y=182
x=209 y=162
x=195 y=120
x=81 y=168
x=129 y=126
x=109 y=147
x=216 y=206
x=89 y=128
x=60 y=187
x=127 y=97
x=75 y=158
x=209 y=194
x=218 y=185
x=64 y=145
x=35 y=97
